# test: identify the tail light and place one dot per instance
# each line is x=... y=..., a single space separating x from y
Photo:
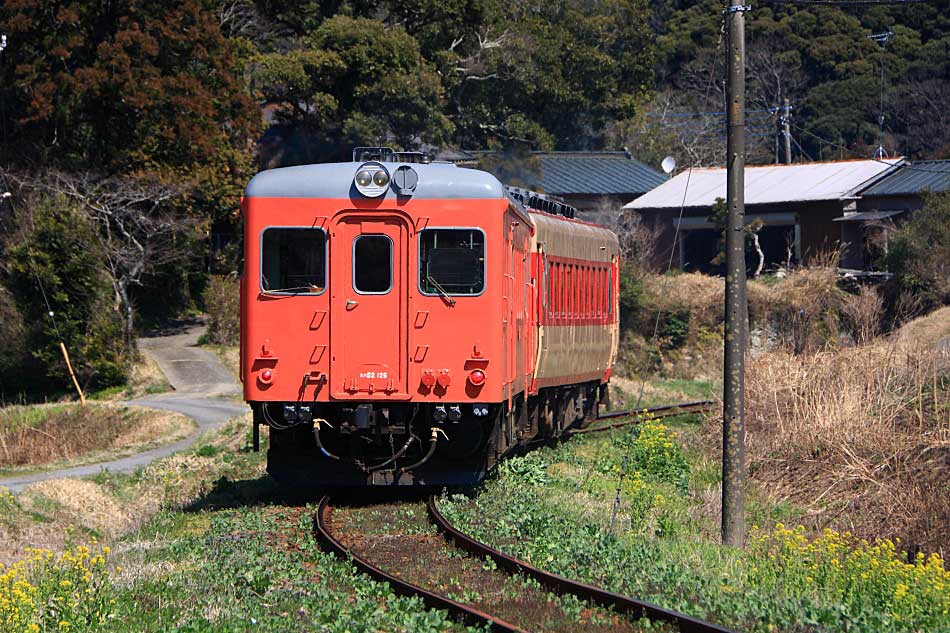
x=477 y=377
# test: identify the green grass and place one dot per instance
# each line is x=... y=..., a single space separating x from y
x=108 y=393
x=251 y=569
x=29 y=416
x=698 y=389
x=554 y=507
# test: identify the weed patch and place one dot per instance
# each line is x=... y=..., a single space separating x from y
x=54 y=434
x=69 y=591
x=662 y=543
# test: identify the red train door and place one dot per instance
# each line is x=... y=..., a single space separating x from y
x=368 y=311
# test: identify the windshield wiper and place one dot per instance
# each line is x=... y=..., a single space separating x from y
x=295 y=289
x=440 y=290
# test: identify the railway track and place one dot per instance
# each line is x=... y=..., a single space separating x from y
x=655 y=413
x=365 y=559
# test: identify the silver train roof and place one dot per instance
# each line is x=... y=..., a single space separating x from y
x=335 y=180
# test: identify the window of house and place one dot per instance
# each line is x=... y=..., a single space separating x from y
x=451 y=261
x=293 y=260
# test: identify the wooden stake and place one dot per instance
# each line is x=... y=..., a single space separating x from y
x=72 y=374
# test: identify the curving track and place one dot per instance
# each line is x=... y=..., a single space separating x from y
x=619 y=603
x=552 y=582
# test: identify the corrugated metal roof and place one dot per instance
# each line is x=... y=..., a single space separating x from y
x=865 y=216
x=768 y=184
x=594 y=173
x=914 y=178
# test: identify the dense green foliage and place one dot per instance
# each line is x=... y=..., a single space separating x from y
x=126 y=86
x=60 y=250
x=820 y=58
x=919 y=251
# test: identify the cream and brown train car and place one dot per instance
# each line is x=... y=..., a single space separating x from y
x=576 y=267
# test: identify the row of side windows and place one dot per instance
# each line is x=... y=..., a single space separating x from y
x=577 y=291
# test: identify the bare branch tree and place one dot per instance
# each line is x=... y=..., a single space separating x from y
x=476 y=65
x=638 y=240
x=240 y=18
x=137 y=232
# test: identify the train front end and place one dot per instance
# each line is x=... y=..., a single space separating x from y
x=371 y=343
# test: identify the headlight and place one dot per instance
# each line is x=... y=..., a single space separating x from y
x=371 y=179
x=364 y=178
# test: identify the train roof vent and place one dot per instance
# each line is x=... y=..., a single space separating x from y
x=539 y=202
x=388 y=155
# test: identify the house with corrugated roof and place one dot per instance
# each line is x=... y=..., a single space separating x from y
x=794 y=206
x=885 y=204
x=597 y=184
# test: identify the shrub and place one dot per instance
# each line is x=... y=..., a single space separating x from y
x=919 y=252
x=865 y=577
x=631 y=297
x=61 y=250
x=863 y=313
x=648 y=451
x=804 y=308
x=222 y=301
x=47 y=592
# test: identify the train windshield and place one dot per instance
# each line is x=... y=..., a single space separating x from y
x=294 y=260
x=452 y=261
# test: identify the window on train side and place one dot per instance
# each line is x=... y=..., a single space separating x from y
x=293 y=260
x=451 y=261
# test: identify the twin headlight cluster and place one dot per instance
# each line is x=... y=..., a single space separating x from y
x=372 y=179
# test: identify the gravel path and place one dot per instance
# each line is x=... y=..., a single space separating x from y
x=205 y=391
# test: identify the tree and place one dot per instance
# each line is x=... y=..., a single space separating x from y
x=135 y=231
x=919 y=251
x=354 y=82
x=56 y=257
x=123 y=86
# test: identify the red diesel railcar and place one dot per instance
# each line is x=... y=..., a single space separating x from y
x=406 y=322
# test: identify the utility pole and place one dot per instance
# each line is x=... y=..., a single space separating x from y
x=733 y=396
x=787 y=131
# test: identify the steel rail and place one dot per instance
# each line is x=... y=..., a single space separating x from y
x=666 y=411
x=559 y=584
x=400 y=586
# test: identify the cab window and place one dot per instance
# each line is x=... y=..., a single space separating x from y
x=372 y=264
x=294 y=260
x=452 y=261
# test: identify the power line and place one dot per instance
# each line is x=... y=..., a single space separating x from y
x=845 y=2
x=716 y=113
x=874 y=158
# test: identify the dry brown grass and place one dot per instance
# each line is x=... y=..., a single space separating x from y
x=116 y=507
x=145 y=377
x=863 y=313
x=45 y=434
x=99 y=510
x=692 y=291
x=860 y=436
